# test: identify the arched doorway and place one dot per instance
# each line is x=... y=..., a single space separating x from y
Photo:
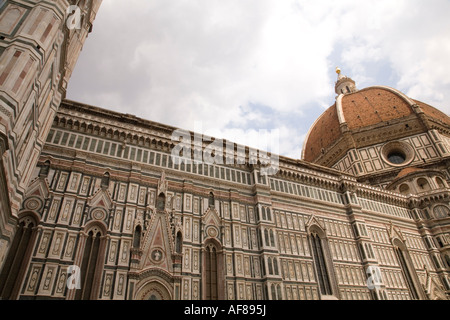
x=154 y=290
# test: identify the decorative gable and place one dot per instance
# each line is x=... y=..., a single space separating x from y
x=34 y=199
x=394 y=232
x=157 y=245
x=39 y=187
x=212 y=224
x=101 y=198
x=433 y=289
x=314 y=222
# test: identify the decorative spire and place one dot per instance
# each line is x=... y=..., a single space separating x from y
x=162 y=184
x=344 y=84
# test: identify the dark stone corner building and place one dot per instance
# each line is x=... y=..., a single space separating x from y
x=92 y=205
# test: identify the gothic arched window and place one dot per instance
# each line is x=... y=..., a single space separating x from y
x=19 y=253
x=275 y=265
x=105 y=180
x=270 y=265
x=320 y=263
x=269 y=217
x=403 y=257
x=447 y=260
x=161 y=202
x=211 y=272
x=272 y=239
x=280 y=297
x=363 y=251
x=179 y=242
x=137 y=237
x=436 y=262
x=266 y=237
x=45 y=169
x=91 y=262
x=211 y=200
x=276 y=292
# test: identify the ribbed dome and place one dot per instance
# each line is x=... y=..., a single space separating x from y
x=360 y=110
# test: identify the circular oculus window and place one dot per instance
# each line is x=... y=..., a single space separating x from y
x=396 y=157
x=397 y=153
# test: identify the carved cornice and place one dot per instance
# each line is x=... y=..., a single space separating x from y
x=426 y=198
x=381 y=195
x=153 y=271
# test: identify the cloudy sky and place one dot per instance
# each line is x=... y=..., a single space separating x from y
x=237 y=69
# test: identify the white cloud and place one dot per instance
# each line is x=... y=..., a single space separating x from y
x=178 y=62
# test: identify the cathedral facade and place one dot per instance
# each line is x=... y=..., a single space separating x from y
x=107 y=210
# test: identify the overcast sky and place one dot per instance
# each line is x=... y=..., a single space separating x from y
x=230 y=68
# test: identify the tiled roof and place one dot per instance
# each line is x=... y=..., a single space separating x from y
x=433 y=112
x=362 y=109
x=373 y=105
x=324 y=132
x=407 y=171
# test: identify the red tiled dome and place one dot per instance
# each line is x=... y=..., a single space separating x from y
x=361 y=110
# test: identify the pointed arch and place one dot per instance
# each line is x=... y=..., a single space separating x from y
x=272 y=238
x=447 y=260
x=213 y=275
x=270 y=265
x=266 y=237
x=155 y=289
x=315 y=228
x=269 y=216
x=275 y=266
x=105 y=180
x=179 y=243
x=322 y=258
x=137 y=237
x=161 y=201
x=19 y=255
x=273 y=292
x=320 y=264
x=406 y=266
x=211 y=201
x=92 y=256
x=45 y=169
x=279 y=294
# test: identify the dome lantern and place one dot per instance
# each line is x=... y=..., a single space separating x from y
x=344 y=84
